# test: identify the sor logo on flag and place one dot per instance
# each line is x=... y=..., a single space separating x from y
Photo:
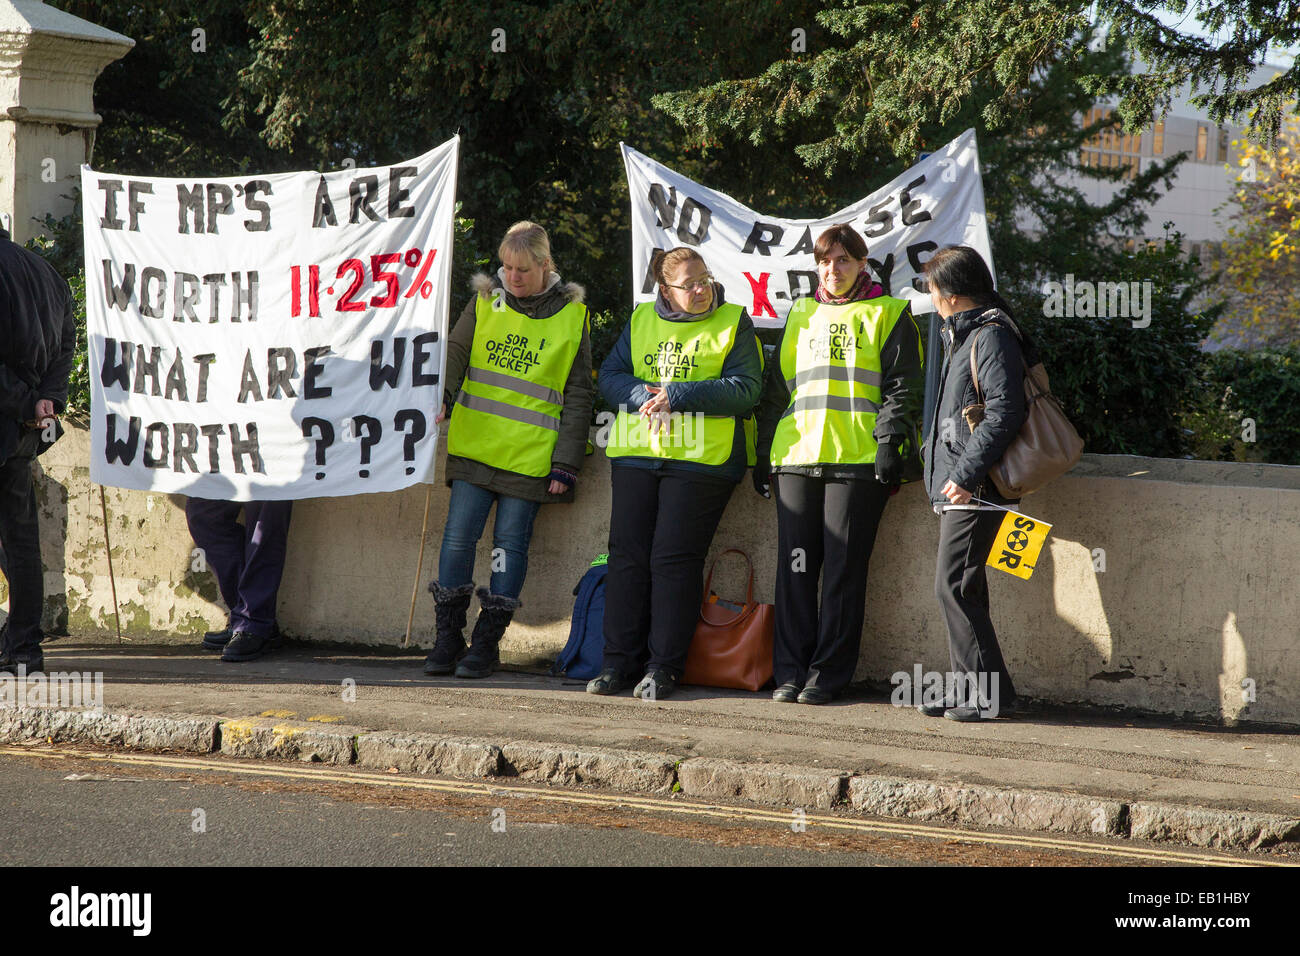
x=1018 y=544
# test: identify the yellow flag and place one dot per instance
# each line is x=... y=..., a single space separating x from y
x=1019 y=541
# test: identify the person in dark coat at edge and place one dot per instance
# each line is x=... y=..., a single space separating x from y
x=38 y=336
x=956 y=472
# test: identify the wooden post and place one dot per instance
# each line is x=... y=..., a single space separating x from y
x=108 y=552
x=419 y=567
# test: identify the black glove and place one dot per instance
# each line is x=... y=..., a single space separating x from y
x=762 y=473
x=889 y=464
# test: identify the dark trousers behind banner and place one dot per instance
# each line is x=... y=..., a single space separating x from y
x=247 y=559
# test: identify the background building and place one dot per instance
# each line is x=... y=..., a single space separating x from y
x=1202 y=183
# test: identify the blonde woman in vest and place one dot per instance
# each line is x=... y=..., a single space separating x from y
x=683 y=377
x=519 y=396
x=838 y=430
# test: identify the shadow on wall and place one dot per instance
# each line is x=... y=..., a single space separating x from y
x=1131 y=615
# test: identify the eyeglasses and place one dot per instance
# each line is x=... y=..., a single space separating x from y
x=702 y=283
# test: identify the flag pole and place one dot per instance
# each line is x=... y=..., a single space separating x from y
x=449 y=239
x=108 y=553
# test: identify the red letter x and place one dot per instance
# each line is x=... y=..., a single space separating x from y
x=761 y=301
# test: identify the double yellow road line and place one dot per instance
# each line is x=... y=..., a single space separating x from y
x=670 y=807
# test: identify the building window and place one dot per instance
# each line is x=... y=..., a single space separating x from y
x=1158 y=138
x=1223 y=144
x=1202 y=142
x=1111 y=148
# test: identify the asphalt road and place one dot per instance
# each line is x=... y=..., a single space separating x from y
x=101 y=808
x=88 y=814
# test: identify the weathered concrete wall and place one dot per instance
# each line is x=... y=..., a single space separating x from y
x=1195 y=597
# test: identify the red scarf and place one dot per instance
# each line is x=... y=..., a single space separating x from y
x=864 y=288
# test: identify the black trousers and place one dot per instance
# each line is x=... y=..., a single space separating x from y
x=20 y=551
x=247 y=559
x=659 y=535
x=826 y=527
x=961 y=585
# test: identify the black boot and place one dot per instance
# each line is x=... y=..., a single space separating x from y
x=450 y=605
x=495 y=612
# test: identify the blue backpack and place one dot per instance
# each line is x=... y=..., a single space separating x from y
x=582 y=655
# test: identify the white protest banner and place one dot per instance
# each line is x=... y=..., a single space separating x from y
x=268 y=337
x=765 y=262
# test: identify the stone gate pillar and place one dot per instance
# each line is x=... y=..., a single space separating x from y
x=49 y=61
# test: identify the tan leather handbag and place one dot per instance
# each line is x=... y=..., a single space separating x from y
x=1047 y=445
x=732 y=647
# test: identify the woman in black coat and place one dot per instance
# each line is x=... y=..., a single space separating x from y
x=957 y=463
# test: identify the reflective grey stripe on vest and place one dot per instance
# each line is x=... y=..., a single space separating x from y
x=491 y=406
x=500 y=380
x=839 y=373
x=834 y=403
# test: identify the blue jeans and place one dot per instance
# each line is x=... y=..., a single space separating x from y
x=466 y=519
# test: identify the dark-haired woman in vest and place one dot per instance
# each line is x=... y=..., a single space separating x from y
x=683 y=377
x=957 y=463
x=838 y=423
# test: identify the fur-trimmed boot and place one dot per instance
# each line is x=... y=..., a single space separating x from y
x=495 y=612
x=450 y=608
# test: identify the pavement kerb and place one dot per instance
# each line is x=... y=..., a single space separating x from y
x=186 y=734
x=655 y=773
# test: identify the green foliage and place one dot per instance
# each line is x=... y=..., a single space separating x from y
x=1127 y=389
x=605 y=330
x=985 y=65
x=1263 y=386
x=463 y=263
x=886 y=72
x=540 y=123
x=1237 y=38
x=889 y=70
x=163 y=102
x=294 y=84
x=1261 y=255
x=62 y=248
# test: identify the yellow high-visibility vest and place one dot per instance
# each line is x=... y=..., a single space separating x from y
x=830 y=358
x=665 y=352
x=508 y=412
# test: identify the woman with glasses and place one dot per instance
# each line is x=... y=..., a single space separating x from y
x=839 y=421
x=683 y=376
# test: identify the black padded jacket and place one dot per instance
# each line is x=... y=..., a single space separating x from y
x=952 y=451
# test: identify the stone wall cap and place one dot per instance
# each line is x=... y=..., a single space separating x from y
x=1246 y=474
x=36 y=17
